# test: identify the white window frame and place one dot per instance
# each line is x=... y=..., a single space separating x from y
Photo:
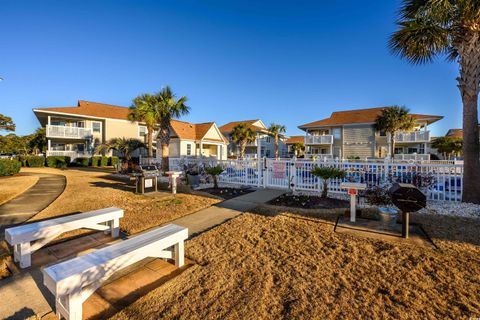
x=93 y=127
x=139 y=132
x=339 y=130
x=189 y=149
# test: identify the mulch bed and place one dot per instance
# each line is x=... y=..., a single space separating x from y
x=309 y=202
x=227 y=193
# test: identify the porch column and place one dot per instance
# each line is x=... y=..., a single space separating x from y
x=219 y=156
x=48 y=121
x=49 y=145
x=201 y=149
x=259 y=147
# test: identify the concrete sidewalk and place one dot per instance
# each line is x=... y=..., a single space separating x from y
x=32 y=201
x=27 y=296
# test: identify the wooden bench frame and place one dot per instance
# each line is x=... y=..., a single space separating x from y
x=42 y=232
x=73 y=281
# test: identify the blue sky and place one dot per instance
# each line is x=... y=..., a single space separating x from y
x=288 y=62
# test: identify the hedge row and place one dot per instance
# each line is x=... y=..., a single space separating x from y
x=58 y=161
x=9 y=167
x=96 y=161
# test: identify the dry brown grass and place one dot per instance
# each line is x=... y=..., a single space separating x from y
x=10 y=187
x=89 y=190
x=285 y=266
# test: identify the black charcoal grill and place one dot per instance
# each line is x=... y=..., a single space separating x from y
x=146 y=178
x=407 y=198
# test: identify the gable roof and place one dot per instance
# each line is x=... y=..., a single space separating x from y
x=360 y=116
x=227 y=128
x=183 y=130
x=295 y=139
x=92 y=109
x=458 y=133
x=192 y=131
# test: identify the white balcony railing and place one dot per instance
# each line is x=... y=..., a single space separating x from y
x=72 y=154
x=413 y=156
x=414 y=136
x=325 y=139
x=68 y=132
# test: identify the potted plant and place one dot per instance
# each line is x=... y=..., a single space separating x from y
x=193 y=176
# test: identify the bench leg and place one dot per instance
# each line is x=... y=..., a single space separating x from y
x=179 y=254
x=25 y=255
x=16 y=253
x=71 y=308
x=115 y=228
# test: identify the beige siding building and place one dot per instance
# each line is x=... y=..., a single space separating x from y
x=78 y=131
x=351 y=134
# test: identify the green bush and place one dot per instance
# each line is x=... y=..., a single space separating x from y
x=23 y=159
x=96 y=161
x=9 y=167
x=103 y=161
x=113 y=161
x=82 y=161
x=35 y=161
x=58 y=161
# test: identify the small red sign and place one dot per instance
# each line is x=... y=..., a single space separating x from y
x=352 y=192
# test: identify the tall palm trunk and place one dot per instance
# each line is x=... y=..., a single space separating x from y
x=165 y=154
x=243 y=145
x=392 y=145
x=150 y=141
x=468 y=83
x=164 y=139
x=276 y=147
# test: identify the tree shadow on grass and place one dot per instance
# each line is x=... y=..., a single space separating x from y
x=113 y=185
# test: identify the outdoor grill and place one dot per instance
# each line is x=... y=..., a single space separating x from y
x=146 y=178
x=407 y=198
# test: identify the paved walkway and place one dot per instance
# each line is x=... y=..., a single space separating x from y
x=32 y=201
x=27 y=296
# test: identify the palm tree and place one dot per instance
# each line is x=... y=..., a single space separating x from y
x=275 y=130
x=451 y=28
x=394 y=119
x=169 y=107
x=125 y=146
x=448 y=145
x=144 y=109
x=298 y=148
x=327 y=173
x=242 y=134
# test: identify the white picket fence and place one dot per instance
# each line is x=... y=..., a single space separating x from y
x=438 y=181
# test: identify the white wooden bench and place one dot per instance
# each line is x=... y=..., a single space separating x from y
x=42 y=232
x=73 y=281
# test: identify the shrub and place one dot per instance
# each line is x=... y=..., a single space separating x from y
x=327 y=173
x=113 y=161
x=95 y=161
x=35 y=161
x=82 y=161
x=58 y=161
x=214 y=172
x=378 y=195
x=23 y=159
x=103 y=161
x=9 y=167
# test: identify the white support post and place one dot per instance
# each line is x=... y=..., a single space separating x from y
x=179 y=254
x=353 y=201
x=74 y=306
x=115 y=228
x=24 y=254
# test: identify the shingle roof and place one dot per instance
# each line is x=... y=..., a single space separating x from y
x=93 y=109
x=360 y=116
x=455 y=133
x=184 y=130
x=227 y=128
x=295 y=139
x=192 y=131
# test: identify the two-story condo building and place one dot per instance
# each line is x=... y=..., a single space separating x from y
x=264 y=144
x=351 y=133
x=77 y=131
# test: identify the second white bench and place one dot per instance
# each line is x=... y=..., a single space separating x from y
x=42 y=232
x=73 y=281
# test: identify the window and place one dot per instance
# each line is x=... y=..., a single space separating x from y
x=189 y=149
x=337 y=133
x=97 y=126
x=142 y=131
x=268 y=139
